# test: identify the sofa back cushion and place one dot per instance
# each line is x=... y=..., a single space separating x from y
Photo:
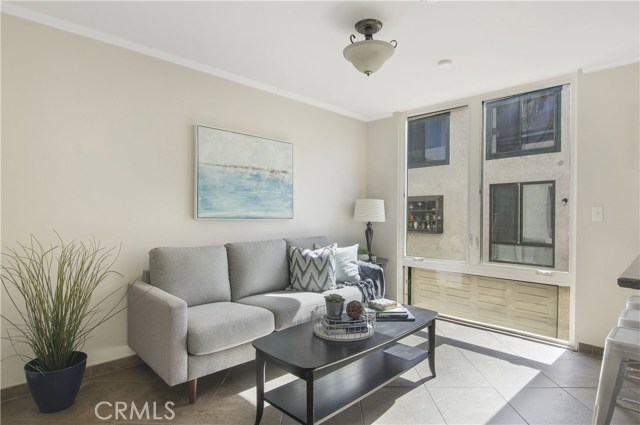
x=308 y=242
x=347 y=269
x=257 y=267
x=198 y=275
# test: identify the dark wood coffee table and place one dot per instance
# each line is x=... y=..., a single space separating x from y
x=334 y=375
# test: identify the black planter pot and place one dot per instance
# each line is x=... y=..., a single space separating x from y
x=57 y=390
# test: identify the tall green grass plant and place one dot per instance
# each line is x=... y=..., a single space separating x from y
x=51 y=288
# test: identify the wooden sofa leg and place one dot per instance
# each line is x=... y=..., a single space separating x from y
x=193 y=390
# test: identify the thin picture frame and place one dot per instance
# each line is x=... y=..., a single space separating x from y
x=240 y=176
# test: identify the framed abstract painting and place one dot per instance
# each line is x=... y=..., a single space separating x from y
x=239 y=176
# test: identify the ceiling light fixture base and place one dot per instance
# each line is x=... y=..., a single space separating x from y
x=368 y=27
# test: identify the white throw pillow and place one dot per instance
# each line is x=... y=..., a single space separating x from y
x=346 y=263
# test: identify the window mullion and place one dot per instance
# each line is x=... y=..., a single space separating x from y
x=519 y=206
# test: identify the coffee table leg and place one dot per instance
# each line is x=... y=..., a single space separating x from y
x=310 y=407
x=260 y=365
x=432 y=347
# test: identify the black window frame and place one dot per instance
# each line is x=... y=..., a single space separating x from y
x=425 y=161
x=520 y=221
x=489 y=110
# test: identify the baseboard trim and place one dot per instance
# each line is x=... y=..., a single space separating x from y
x=91 y=371
x=590 y=349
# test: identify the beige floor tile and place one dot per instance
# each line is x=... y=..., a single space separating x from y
x=511 y=373
x=572 y=373
x=410 y=378
x=474 y=406
x=350 y=416
x=535 y=351
x=139 y=373
x=452 y=374
x=476 y=372
x=392 y=406
x=552 y=406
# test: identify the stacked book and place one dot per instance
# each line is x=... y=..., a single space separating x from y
x=346 y=326
x=389 y=310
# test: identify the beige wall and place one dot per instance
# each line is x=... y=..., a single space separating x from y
x=382 y=183
x=607 y=176
x=98 y=140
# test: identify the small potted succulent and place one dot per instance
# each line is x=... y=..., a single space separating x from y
x=335 y=305
x=363 y=254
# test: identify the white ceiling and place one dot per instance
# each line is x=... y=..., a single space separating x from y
x=294 y=48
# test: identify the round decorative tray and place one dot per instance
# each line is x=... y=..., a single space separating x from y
x=345 y=329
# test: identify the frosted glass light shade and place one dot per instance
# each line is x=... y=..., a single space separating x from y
x=368 y=55
x=369 y=210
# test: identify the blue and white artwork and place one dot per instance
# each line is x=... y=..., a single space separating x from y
x=242 y=177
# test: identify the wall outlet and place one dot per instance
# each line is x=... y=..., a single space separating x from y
x=596 y=214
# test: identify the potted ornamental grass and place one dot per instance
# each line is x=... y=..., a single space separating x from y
x=51 y=288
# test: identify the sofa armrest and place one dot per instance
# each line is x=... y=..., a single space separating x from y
x=157 y=330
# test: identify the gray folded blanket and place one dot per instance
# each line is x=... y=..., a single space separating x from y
x=371 y=282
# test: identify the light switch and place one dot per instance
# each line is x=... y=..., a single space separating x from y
x=596 y=214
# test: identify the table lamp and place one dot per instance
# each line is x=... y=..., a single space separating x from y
x=369 y=210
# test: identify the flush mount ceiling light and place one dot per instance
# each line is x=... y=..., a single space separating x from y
x=368 y=55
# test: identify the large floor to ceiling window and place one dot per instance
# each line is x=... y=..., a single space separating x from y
x=487 y=217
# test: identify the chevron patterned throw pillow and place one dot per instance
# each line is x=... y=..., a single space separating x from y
x=312 y=270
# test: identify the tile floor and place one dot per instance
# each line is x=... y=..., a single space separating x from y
x=483 y=378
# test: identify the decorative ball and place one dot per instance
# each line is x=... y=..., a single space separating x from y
x=354 y=309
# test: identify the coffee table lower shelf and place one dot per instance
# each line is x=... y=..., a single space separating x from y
x=342 y=388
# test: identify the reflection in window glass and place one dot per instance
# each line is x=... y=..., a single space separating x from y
x=522 y=217
x=428 y=141
x=524 y=124
x=504 y=217
x=537 y=213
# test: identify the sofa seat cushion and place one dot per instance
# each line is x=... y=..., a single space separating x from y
x=309 y=242
x=217 y=326
x=291 y=308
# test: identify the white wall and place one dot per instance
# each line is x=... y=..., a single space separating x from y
x=98 y=140
x=607 y=175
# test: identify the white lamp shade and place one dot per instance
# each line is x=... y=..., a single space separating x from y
x=369 y=210
x=368 y=55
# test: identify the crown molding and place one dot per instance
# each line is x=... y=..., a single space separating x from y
x=30 y=15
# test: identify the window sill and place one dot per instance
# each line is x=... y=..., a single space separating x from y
x=526 y=274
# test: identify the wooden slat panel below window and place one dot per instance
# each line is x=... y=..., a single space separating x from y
x=523 y=306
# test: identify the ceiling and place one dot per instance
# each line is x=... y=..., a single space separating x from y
x=294 y=48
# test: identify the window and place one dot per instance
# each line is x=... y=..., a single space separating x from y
x=433 y=230
x=428 y=141
x=522 y=217
x=524 y=124
x=505 y=234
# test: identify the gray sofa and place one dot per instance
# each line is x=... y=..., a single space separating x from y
x=197 y=310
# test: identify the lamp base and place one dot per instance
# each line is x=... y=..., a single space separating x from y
x=368 y=234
